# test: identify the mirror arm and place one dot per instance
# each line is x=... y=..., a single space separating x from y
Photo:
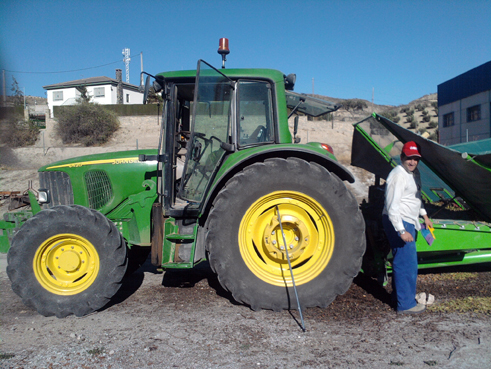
x=296 y=107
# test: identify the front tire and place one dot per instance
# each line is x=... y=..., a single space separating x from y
x=67 y=260
x=323 y=227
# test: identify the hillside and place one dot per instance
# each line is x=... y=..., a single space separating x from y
x=420 y=115
x=19 y=166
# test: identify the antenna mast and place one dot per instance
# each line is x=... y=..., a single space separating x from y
x=126 y=59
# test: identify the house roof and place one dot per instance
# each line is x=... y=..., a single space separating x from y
x=91 y=81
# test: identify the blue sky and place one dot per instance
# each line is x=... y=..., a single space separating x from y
x=401 y=50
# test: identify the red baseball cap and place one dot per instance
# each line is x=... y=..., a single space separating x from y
x=411 y=149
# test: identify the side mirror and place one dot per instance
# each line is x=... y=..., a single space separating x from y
x=146 y=89
x=290 y=81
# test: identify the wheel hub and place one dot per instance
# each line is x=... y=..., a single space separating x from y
x=308 y=231
x=296 y=235
x=66 y=264
x=69 y=261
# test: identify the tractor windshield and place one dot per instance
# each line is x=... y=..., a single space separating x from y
x=210 y=128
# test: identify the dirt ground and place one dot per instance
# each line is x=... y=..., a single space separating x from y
x=186 y=320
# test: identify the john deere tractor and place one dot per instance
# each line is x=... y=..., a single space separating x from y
x=228 y=183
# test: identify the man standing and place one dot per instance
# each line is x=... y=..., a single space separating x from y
x=402 y=209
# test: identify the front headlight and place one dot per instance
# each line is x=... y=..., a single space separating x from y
x=43 y=196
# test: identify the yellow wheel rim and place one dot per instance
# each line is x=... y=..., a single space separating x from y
x=309 y=235
x=66 y=264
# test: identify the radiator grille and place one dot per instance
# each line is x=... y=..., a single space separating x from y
x=59 y=186
x=99 y=188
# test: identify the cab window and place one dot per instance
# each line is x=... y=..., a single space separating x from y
x=255 y=115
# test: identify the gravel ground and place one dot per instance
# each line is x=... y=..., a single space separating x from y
x=185 y=320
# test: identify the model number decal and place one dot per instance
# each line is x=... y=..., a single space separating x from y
x=95 y=162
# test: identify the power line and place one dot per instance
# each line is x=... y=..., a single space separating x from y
x=65 y=71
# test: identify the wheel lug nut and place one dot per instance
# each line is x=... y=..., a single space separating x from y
x=296 y=238
x=291 y=246
x=274 y=242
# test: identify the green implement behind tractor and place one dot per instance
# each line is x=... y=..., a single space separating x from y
x=228 y=184
x=456 y=188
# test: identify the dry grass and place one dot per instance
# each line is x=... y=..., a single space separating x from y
x=480 y=305
x=455 y=276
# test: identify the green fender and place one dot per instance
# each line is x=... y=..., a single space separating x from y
x=235 y=162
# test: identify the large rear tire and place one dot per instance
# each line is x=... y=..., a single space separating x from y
x=67 y=260
x=323 y=226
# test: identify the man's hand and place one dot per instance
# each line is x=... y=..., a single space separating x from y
x=428 y=222
x=407 y=237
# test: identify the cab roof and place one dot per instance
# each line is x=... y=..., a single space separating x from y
x=272 y=74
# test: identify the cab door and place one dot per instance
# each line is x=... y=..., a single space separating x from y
x=213 y=112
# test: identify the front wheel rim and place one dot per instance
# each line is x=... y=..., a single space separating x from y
x=66 y=264
x=309 y=235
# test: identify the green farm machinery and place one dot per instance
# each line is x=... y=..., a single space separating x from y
x=230 y=184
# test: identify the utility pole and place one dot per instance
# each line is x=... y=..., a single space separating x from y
x=141 y=64
x=4 y=94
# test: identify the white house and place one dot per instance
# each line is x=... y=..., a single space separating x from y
x=102 y=90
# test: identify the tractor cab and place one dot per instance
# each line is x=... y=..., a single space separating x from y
x=206 y=115
x=209 y=114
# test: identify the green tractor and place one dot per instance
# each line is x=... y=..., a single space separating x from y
x=229 y=184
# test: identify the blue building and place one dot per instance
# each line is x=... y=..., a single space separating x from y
x=464 y=105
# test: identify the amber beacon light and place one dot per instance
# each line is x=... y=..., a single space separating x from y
x=223 y=49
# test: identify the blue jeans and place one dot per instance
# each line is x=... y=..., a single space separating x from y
x=404 y=265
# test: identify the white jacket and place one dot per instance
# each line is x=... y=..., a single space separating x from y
x=401 y=202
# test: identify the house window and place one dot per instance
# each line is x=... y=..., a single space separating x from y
x=57 y=95
x=127 y=98
x=474 y=113
x=448 y=120
x=99 y=92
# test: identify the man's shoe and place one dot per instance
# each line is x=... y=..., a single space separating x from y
x=419 y=308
